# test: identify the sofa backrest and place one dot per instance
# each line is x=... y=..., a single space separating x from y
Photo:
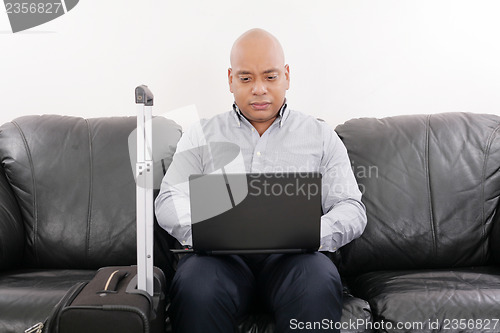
x=75 y=187
x=431 y=185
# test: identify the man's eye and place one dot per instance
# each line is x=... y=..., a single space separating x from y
x=244 y=79
x=272 y=77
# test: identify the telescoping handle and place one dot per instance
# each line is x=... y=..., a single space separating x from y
x=144 y=186
x=143 y=95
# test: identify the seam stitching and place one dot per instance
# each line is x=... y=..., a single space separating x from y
x=91 y=187
x=429 y=190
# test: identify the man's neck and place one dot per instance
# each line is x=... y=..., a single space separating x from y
x=261 y=127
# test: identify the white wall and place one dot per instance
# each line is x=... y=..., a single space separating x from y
x=349 y=58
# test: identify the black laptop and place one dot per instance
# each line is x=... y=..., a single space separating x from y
x=255 y=213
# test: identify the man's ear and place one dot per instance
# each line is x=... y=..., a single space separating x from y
x=230 y=78
x=287 y=76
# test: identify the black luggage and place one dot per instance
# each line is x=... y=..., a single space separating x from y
x=111 y=303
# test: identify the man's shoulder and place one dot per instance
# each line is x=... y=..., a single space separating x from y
x=219 y=119
x=207 y=123
x=304 y=120
x=312 y=126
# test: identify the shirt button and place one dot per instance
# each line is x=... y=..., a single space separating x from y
x=258 y=153
x=253 y=129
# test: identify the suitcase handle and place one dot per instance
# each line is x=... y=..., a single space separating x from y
x=113 y=280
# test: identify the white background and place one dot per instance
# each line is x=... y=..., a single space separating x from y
x=350 y=58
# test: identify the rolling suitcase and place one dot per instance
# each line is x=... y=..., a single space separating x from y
x=111 y=302
x=124 y=298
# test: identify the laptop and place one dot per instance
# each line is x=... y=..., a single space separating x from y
x=255 y=213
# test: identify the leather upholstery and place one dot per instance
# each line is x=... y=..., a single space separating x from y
x=434 y=296
x=28 y=296
x=495 y=240
x=11 y=228
x=431 y=188
x=74 y=213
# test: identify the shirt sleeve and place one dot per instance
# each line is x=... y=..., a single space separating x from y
x=172 y=205
x=344 y=216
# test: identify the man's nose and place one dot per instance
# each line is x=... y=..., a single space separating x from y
x=259 y=88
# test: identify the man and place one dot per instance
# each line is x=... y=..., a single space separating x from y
x=215 y=293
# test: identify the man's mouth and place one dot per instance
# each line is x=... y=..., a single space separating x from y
x=260 y=105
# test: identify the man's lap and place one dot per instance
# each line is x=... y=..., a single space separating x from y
x=225 y=289
x=263 y=275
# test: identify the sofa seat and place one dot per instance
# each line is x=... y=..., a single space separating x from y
x=28 y=296
x=458 y=300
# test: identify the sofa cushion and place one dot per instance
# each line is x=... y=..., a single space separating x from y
x=28 y=297
x=431 y=186
x=456 y=300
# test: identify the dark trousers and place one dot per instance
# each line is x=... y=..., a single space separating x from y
x=215 y=293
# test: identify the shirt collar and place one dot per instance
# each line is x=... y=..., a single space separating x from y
x=282 y=114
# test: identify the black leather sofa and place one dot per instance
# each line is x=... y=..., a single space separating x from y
x=427 y=261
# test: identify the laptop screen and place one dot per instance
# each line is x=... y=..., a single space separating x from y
x=247 y=212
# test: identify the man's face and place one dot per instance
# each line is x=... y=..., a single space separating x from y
x=258 y=80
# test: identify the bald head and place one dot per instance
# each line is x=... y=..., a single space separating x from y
x=256 y=41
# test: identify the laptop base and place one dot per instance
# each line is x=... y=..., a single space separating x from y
x=241 y=252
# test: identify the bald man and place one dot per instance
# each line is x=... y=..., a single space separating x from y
x=216 y=293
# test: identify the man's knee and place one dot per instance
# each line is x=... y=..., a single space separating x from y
x=195 y=279
x=314 y=267
x=304 y=287
x=309 y=277
x=208 y=280
x=195 y=288
x=318 y=273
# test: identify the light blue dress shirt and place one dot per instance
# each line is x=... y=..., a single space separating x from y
x=295 y=142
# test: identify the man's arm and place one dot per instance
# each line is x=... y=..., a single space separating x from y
x=172 y=206
x=345 y=214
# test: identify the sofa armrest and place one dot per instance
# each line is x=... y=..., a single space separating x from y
x=11 y=226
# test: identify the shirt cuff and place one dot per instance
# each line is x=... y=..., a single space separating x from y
x=329 y=239
x=187 y=242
